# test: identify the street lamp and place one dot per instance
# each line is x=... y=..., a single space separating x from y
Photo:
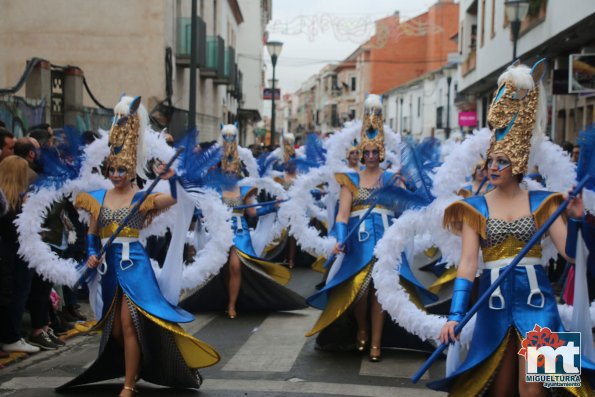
x=274 y=49
x=448 y=72
x=516 y=11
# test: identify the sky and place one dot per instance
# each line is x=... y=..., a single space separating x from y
x=317 y=32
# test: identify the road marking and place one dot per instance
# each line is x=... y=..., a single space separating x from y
x=315 y=388
x=276 y=344
x=35 y=382
x=394 y=364
x=254 y=385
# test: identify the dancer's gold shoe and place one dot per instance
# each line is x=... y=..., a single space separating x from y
x=375 y=357
x=362 y=340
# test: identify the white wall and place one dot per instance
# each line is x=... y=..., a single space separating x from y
x=431 y=92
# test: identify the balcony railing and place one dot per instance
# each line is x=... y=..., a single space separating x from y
x=184 y=41
x=215 y=59
x=229 y=68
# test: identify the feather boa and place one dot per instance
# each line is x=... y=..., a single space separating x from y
x=301 y=207
x=62 y=271
x=249 y=161
x=274 y=188
x=294 y=213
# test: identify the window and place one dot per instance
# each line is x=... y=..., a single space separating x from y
x=483 y=22
x=352 y=114
x=418 y=106
x=353 y=83
x=493 y=18
x=439 y=117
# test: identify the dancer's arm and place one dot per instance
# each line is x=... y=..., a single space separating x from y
x=465 y=276
x=345 y=199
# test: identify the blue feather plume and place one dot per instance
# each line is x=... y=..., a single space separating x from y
x=416 y=166
x=198 y=166
x=586 y=161
x=315 y=151
x=265 y=162
x=61 y=161
x=398 y=199
x=195 y=162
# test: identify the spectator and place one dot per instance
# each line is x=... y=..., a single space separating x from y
x=44 y=137
x=28 y=148
x=575 y=153
x=7 y=142
x=567 y=147
x=15 y=276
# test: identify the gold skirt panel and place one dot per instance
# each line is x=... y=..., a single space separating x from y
x=340 y=299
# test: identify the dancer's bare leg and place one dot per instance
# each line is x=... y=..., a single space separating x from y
x=131 y=349
x=360 y=311
x=235 y=280
x=377 y=317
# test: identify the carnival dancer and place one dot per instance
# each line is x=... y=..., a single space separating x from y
x=479 y=182
x=247 y=282
x=499 y=224
x=349 y=288
x=141 y=338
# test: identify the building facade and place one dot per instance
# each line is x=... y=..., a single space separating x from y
x=142 y=47
x=553 y=29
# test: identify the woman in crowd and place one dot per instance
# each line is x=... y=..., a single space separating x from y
x=15 y=276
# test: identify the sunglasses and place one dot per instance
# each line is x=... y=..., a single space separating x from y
x=372 y=153
x=119 y=170
x=500 y=163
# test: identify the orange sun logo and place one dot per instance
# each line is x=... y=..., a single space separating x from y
x=540 y=337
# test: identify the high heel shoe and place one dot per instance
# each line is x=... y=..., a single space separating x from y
x=231 y=314
x=375 y=357
x=362 y=340
x=128 y=388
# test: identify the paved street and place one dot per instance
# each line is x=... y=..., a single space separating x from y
x=262 y=355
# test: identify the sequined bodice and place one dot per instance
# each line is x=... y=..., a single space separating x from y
x=108 y=216
x=362 y=197
x=232 y=202
x=499 y=230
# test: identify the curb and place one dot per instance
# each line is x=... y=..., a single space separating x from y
x=80 y=328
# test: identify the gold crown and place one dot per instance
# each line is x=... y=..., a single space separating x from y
x=125 y=136
x=372 y=132
x=513 y=113
x=230 y=162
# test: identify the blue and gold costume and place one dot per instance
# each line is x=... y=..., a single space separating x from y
x=523 y=299
x=355 y=273
x=263 y=281
x=169 y=356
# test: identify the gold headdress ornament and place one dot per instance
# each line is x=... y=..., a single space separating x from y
x=513 y=114
x=126 y=136
x=354 y=147
x=230 y=162
x=288 y=150
x=372 y=132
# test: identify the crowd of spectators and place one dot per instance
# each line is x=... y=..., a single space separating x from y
x=52 y=309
